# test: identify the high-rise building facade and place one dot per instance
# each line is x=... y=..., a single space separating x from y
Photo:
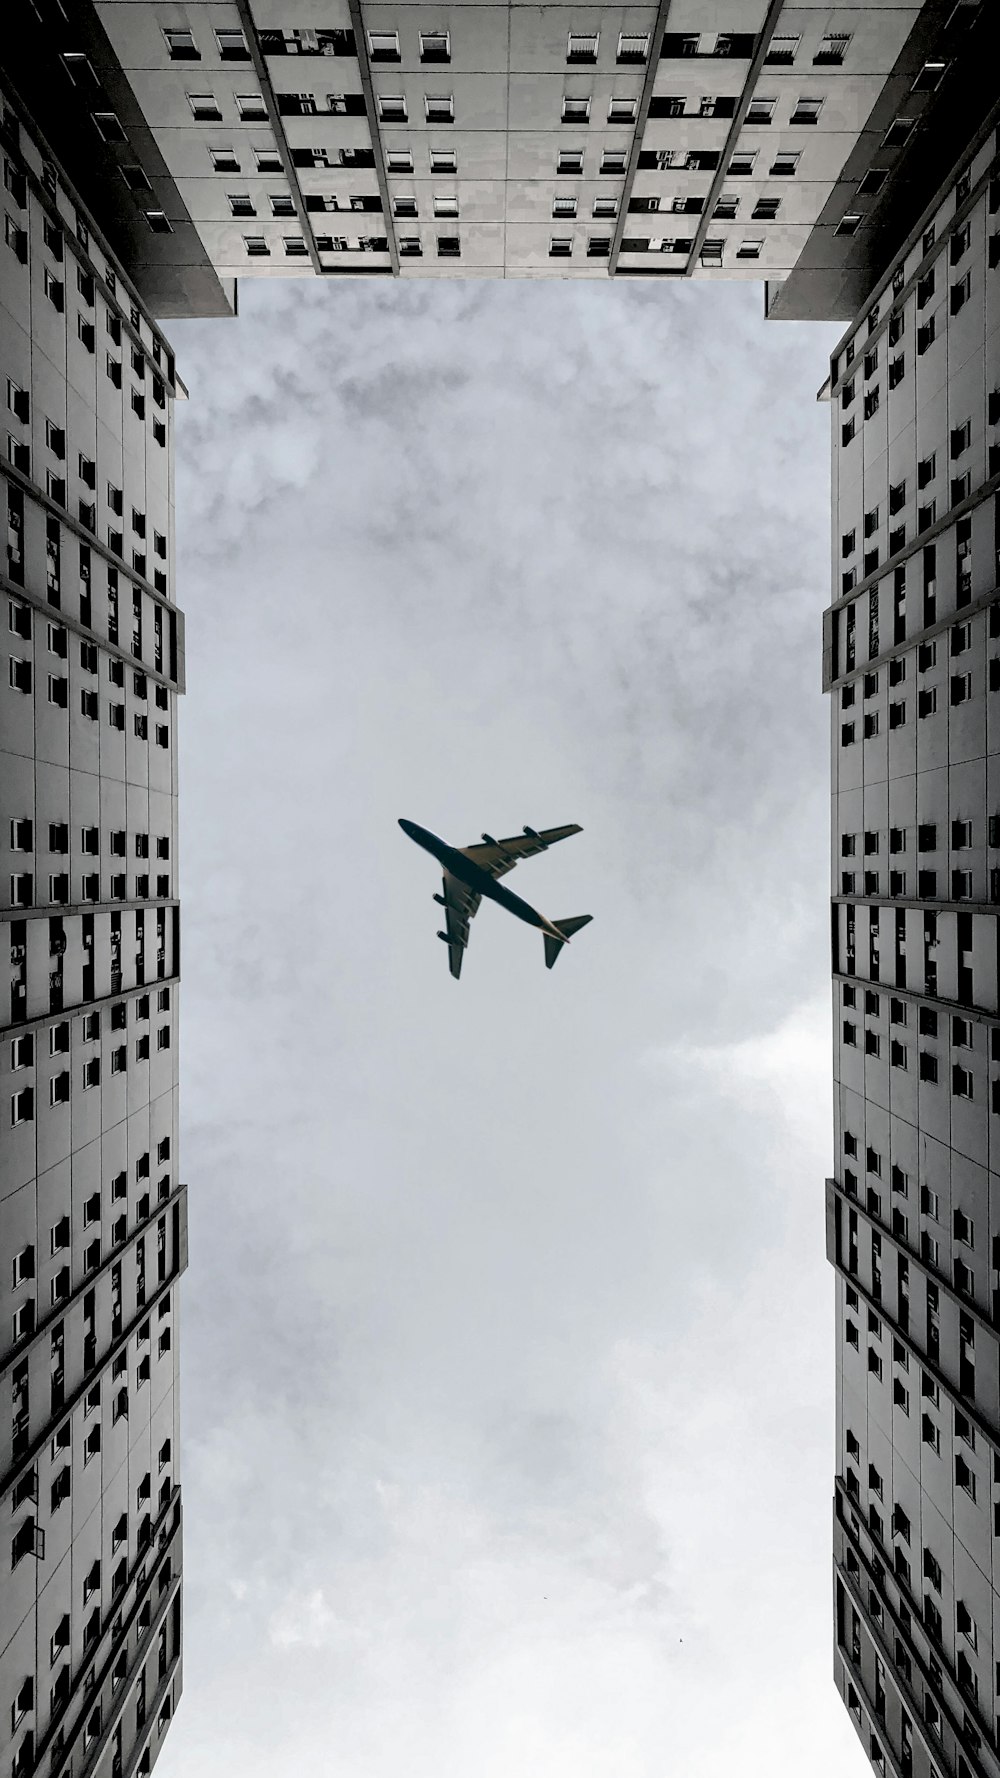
x=92 y=1216
x=912 y=663
x=750 y=138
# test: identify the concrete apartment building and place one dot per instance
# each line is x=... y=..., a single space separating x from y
x=741 y=138
x=846 y=157
x=913 y=666
x=92 y=1217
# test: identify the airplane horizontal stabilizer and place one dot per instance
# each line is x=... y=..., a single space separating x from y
x=553 y=946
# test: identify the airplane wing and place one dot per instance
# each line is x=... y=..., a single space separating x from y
x=460 y=904
x=500 y=856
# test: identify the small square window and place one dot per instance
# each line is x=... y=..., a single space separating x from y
x=181 y=45
x=435 y=46
x=383 y=46
x=232 y=45
x=205 y=107
x=633 y=47
x=251 y=107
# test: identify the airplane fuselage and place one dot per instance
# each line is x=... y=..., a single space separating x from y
x=475 y=878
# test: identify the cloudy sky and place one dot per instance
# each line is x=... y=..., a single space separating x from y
x=508 y=1347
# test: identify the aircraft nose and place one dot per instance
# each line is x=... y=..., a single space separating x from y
x=407 y=827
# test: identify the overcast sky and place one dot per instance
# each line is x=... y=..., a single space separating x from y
x=508 y=1333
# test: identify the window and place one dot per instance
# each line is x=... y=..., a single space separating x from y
x=205 y=107
x=53 y=288
x=807 y=111
x=633 y=47
x=750 y=249
x=766 y=209
x=392 y=108
x=182 y=46
x=256 y=246
x=439 y=109
x=560 y=246
x=582 y=46
x=564 y=207
x=612 y=161
x=435 y=46
x=251 y=107
x=760 y=111
x=785 y=164
x=444 y=160
x=232 y=45
x=224 y=160
x=965 y=1477
x=832 y=49
x=575 y=110
x=742 y=164
x=570 y=161
x=961 y=1082
x=383 y=46
x=622 y=110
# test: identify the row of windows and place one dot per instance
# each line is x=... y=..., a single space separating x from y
x=23 y=1051
x=582 y=47
x=57 y=643
x=22 y=839
x=961 y=690
x=962 y=836
x=961 y=1078
x=22 y=888
x=21 y=679
x=250 y=107
x=23 y=1101
x=712 y=251
x=962 y=1036
x=960 y=882
x=59 y=646
x=230 y=44
x=224 y=159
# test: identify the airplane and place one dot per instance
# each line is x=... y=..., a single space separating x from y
x=470 y=872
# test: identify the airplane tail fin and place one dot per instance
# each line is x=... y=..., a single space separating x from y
x=553 y=946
